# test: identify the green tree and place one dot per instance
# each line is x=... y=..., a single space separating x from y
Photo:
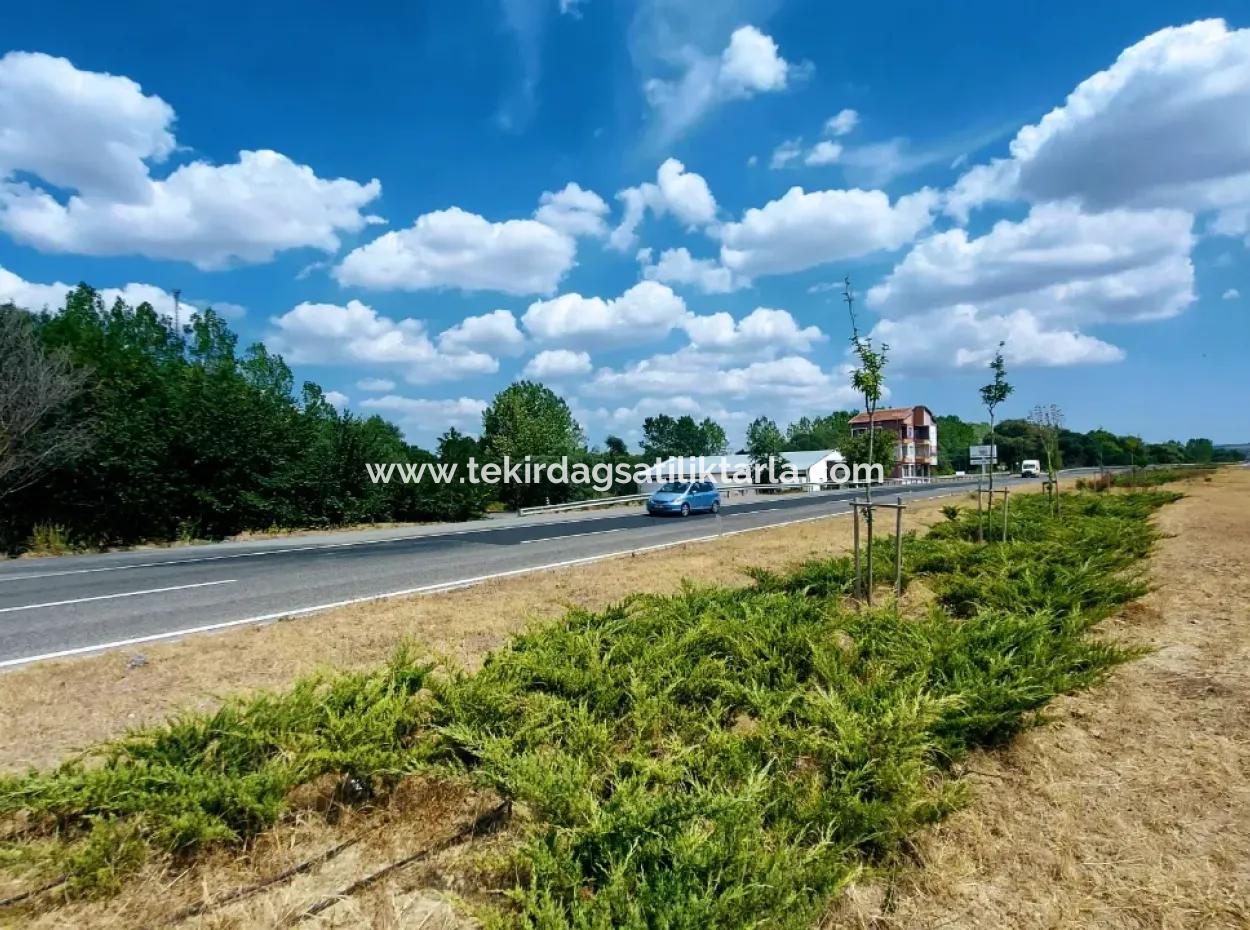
x=1135 y=449
x=993 y=394
x=765 y=442
x=869 y=380
x=664 y=436
x=1200 y=450
x=529 y=419
x=615 y=447
x=955 y=436
x=856 y=451
x=713 y=440
x=827 y=432
x=457 y=500
x=190 y=437
x=1165 y=453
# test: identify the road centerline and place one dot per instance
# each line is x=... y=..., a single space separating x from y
x=106 y=597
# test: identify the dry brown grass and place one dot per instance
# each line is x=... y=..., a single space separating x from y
x=53 y=708
x=1133 y=809
x=423 y=896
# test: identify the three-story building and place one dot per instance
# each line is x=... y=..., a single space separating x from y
x=914 y=431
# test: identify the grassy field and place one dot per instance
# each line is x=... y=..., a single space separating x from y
x=714 y=758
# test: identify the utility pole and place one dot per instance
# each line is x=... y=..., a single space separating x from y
x=178 y=311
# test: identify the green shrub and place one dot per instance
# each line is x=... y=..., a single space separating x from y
x=49 y=539
x=717 y=758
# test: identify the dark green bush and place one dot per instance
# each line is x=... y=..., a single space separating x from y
x=712 y=759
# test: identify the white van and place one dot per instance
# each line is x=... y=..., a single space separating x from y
x=1030 y=468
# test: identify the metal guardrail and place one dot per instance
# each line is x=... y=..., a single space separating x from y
x=807 y=487
x=582 y=505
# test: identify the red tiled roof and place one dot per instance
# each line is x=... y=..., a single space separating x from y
x=885 y=414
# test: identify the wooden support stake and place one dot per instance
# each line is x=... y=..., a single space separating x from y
x=980 y=518
x=871 y=580
x=898 y=550
x=858 y=586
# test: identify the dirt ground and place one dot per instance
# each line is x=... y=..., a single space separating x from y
x=53 y=708
x=1133 y=809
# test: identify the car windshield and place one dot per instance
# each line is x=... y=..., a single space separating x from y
x=674 y=487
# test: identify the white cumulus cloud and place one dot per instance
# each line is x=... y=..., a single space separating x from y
x=645 y=313
x=823 y=153
x=842 y=123
x=1118 y=265
x=495 y=333
x=802 y=230
x=750 y=64
x=962 y=336
x=786 y=153
x=676 y=191
x=333 y=334
x=678 y=266
x=106 y=200
x=425 y=419
x=558 y=363
x=783 y=385
x=573 y=211
x=456 y=249
x=34 y=297
x=764 y=330
x=1166 y=125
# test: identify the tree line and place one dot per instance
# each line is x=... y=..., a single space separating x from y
x=119 y=427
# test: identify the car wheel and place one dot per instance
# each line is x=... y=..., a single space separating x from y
x=715 y=506
x=685 y=510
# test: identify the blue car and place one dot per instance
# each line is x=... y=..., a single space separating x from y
x=684 y=498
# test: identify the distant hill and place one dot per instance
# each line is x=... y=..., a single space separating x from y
x=1242 y=447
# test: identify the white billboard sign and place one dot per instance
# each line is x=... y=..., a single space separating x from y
x=983 y=455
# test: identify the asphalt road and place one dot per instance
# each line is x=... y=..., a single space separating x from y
x=79 y=604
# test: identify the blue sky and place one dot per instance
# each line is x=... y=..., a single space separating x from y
x=381 y=192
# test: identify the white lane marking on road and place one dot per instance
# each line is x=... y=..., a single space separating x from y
x=106 y=597
x=29 y=576
x=424 y=589
x=728 y=511
x=541 y=539
x=427 y=589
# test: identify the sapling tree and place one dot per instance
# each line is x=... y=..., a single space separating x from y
x=1135 y=448
x=869 y=380
x=1048 y=420
x=992 y=395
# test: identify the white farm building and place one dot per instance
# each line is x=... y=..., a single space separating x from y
x=727 y=470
